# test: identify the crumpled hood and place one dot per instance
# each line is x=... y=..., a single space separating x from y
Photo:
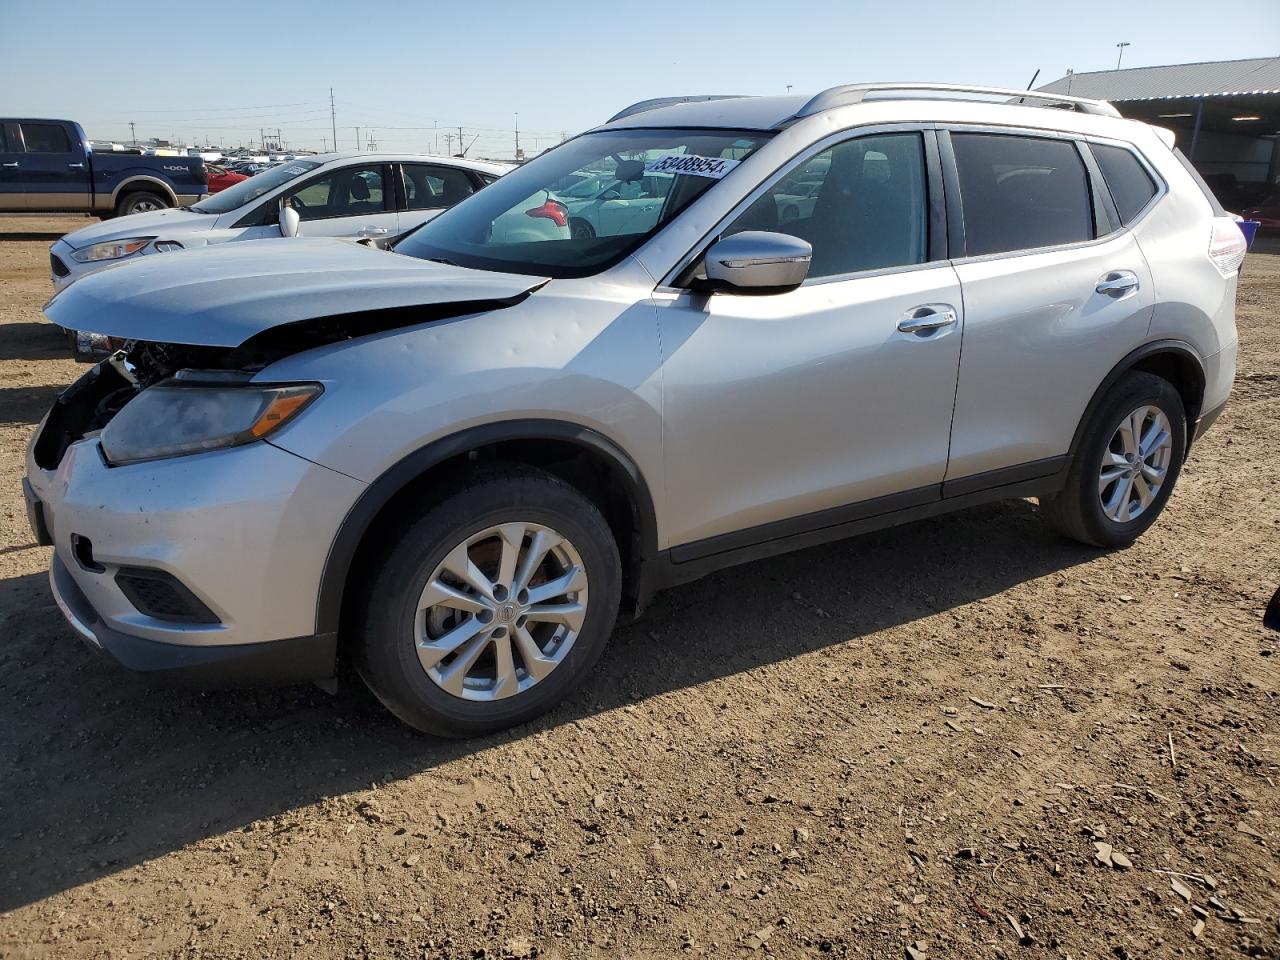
x=220 y=296
x=157 y=223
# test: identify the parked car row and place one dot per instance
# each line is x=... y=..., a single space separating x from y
x=710 y=330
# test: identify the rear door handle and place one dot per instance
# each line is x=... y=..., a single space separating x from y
x=927 y=318
x=1117 y=283
x=76 y=166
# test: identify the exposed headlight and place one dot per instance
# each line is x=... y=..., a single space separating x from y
x=110 y=250
x=169 y=420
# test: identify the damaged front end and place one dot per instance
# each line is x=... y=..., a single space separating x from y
x=86 y=407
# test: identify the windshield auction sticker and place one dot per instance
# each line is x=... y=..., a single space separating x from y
x=692 y=165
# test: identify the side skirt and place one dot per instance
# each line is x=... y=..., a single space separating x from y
x=690 y=561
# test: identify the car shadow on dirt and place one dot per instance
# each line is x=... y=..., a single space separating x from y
x=106 y=770
x=20 y=404
x=32 y=340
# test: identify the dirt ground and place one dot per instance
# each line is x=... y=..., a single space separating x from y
x=909 y=744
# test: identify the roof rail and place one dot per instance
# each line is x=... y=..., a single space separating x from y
x=855 y=92
x=646 y=105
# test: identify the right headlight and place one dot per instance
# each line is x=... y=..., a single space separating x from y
x=170 y=419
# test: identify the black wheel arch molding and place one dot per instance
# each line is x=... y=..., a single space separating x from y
x=1189 y=381
x=361 y=518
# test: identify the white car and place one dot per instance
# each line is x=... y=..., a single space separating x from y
x=334 y=195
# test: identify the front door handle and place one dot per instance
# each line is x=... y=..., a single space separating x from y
x=76 y=166
x=373 y=231
x=1117 y=283
x=924 y=320
x=12 y=165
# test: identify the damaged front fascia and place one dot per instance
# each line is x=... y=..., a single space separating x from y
x=90 y=403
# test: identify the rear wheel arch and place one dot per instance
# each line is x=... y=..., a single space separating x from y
x=584 y=458
x=142 y=185
x=1173 y=360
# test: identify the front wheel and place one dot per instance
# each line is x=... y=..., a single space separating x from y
x=490 y=606
x=1127 y=464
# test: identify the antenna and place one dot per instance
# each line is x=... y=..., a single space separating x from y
x=1033 y=78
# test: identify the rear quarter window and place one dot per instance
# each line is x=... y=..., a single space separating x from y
x=1020 y=192
x=1131 y=186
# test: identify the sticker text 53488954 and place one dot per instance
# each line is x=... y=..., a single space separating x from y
x=691 y=165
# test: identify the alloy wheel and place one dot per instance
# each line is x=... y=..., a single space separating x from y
x=501 y=611
x=1135 y=464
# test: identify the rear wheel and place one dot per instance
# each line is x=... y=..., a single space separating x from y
x=580 y=229
x=141 y=202
x=1126 y=467
x=489 y=607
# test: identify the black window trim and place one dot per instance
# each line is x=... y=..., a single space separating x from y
x=677 y=278
x=1162 y=187
x=1098 y=191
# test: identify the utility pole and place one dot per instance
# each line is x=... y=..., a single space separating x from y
x=333 y=119
x=133 y=136
x=461 y=141
x=448 y=144
x=1120 y=56
x=357 y=138
x=517 y=116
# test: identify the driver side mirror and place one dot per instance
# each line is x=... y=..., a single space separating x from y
x=290 y=222
x=756 y=261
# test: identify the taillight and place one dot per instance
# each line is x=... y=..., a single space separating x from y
x=552 y=210
x=1227 y=246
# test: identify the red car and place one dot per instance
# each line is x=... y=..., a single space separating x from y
x=220 y=178
x=1267 y=213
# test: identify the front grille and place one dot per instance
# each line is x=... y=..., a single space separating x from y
x=57 y=266
x=162 y=596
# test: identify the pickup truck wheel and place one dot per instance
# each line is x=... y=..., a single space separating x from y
x=488 y=607
x=141 y=202
x=1127 y=464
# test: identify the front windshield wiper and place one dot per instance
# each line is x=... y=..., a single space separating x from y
x=446 y=262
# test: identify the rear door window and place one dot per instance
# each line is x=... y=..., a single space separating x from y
x=428 y=187
x=1020 y=193
x=46 y=138
x=1131 y=186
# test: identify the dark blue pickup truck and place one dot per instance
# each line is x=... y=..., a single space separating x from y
x=49 y=166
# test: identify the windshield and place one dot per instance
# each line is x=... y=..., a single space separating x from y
x=583 y=206
x=237 y=196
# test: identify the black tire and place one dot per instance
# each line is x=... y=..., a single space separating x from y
x=1077 y=511
x=580 y=229
x=411 y=549
x=141 y=201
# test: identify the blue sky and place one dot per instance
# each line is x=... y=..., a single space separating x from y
x=223 y=70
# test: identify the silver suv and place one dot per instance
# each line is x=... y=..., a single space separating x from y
x=778 y=321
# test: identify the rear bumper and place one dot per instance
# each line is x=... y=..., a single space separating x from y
x=295 y=660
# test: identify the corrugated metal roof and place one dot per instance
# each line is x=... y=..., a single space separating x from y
x=1220 y=78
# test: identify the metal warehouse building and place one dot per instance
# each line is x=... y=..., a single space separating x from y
x=1226 y=115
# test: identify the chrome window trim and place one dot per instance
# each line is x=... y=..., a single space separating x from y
x=1079 y=138
x=855 y=132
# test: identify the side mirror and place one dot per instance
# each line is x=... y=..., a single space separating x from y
x=290 y=222
x=757 y=261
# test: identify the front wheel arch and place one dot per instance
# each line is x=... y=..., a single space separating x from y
x=583 y=457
